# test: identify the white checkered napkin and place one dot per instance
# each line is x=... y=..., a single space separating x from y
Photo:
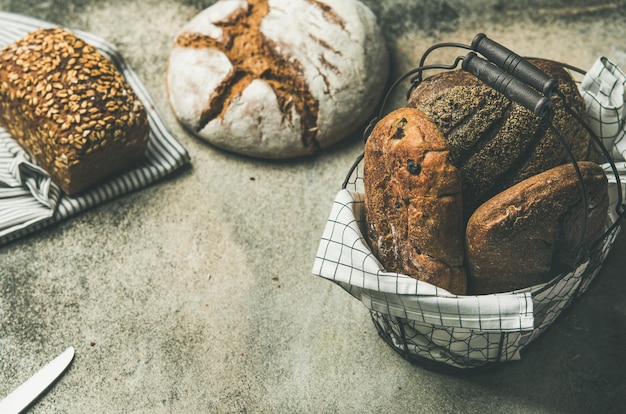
x=29 y=200
x=603 y=89
x=344 y=257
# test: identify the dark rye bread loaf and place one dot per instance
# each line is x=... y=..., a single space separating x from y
x=532 y=231
x=413 y=203
x=70 y=108
x=497 y=143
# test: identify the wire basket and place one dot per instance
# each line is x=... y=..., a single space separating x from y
x=430 y=326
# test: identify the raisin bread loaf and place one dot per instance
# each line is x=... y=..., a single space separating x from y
x=413 y=203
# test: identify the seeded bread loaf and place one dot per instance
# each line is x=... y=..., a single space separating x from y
x=413 y=205
x=531 y=232
x=277 y=78
x=70 y=108
x=495 y=142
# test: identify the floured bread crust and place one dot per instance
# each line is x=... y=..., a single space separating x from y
x=277 y=78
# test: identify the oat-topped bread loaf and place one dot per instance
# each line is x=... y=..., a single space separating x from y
x=413 y=206
x=277 y=78
x=495 y=142
x=70 y=108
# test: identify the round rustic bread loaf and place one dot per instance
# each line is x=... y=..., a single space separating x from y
x=532 y=231
x=495 y=142
x=277 y=78
x=413 y=206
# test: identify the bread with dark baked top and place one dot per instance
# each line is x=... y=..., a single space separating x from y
x=532 y=231
x=413 y=203
x=495 y=142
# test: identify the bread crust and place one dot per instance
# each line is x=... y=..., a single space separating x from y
x=413 y=202
x=70 y=108
x=277 y=78
x=530 y=232
x=497 y=143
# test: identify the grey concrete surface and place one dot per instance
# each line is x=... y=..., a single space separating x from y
x=196 y=295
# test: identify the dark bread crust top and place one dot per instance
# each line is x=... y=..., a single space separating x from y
x=533 y=230
x=495 y=142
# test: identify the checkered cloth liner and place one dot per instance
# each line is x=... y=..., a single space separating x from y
x=425 y=323
x=345 y=256
x=29 y=200
x=603 y=89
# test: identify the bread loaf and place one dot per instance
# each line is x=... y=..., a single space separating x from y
x=413 y=203
x=277 y=78
x=495 y=142
x=532 y=231
x=70 y=108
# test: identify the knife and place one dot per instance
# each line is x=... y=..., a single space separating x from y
x=25 y=394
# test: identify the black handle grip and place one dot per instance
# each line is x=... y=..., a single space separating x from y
x=514 y=64
x=505 y=83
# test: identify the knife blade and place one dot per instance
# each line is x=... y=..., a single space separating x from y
x=27 y=392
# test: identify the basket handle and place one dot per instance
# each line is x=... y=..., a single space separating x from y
x=507 y=84
x=514 y=64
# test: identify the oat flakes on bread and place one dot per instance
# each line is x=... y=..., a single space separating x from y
x=70 y=108
x=277 y=78
x=531 y=232
x=495 y=142
x=413 y=204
